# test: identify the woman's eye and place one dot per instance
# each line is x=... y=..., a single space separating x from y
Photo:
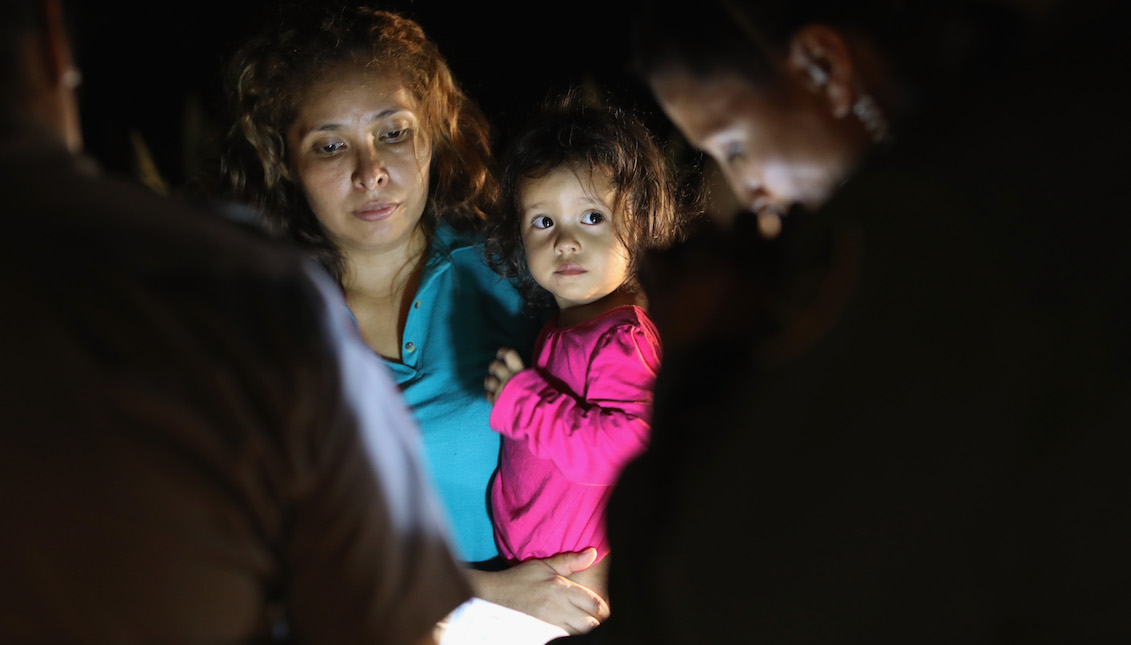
x=395 y=136
x=543 y=222
x=328 y=149
x=592 y=217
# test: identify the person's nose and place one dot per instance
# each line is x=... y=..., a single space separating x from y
x=752 y=194
x=567 y=240
x=369 y=172
x=747 y=185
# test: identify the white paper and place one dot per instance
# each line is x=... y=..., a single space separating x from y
x=479 y=622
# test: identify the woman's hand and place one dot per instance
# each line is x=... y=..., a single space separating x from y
x=541 y=589
x=507 y=363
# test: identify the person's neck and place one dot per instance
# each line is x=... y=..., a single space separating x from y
x=381 y=276
x=577 y=314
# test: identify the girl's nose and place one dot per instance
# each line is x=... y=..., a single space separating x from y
x=566 y=242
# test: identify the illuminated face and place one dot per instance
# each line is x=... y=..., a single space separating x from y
x=778 y=147
x=569 y=233
x=358 y=153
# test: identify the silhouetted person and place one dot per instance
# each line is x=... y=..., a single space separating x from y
x=926 y=443
x=194 y=444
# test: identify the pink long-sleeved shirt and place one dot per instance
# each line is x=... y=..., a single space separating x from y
x=569 y=426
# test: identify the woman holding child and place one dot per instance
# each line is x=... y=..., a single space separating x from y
x=353 y=140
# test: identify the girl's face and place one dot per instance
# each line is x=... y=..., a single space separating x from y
x=359 y=154
x=778 y=147
x=569 y=233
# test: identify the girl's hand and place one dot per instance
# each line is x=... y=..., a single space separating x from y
x=507 y=363
x=542 y=589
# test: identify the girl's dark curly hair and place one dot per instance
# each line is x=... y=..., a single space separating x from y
x=587 y=130
x=267 y=77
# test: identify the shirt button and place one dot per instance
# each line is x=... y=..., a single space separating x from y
x=409 y=347
x=416 y=305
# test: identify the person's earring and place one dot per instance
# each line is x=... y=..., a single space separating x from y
x=871 y=117
x=818 y=75
x=865 y=107
x=72 y=78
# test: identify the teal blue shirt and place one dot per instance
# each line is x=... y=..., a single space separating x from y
x=462 y=313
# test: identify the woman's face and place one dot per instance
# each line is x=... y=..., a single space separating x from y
x=359 y=154
x=777 y=146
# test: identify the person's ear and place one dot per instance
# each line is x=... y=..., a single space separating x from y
x=821 y=57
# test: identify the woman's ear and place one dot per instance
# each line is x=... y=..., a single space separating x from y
x=821 y=57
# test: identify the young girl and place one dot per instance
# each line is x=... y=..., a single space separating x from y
x=586 y=191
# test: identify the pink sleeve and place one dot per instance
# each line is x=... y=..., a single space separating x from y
x=590 y=440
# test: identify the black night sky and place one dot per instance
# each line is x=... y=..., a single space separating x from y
x=151 y=70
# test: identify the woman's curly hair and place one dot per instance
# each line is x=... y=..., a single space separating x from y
x=589 y=129
x=266 y=80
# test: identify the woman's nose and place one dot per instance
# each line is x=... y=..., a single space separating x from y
x=370 y=171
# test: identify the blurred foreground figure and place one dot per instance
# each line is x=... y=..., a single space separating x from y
x=917 y=433
x=193 y=448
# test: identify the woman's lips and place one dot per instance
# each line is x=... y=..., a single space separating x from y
x=376 y=211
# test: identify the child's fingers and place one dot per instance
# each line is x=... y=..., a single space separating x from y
x=512 y=360
x=507 y=363
x=499 y=369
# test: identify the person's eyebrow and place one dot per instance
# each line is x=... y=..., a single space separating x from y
x=583 y=200
x=333 y=126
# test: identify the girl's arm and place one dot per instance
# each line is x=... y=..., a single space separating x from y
x=590 y=440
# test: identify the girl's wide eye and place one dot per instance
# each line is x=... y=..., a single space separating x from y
x=592 y=217
x=542 y=222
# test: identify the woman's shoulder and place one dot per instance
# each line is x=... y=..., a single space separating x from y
x=464 y=260
x=457 y=242
x=466 y=252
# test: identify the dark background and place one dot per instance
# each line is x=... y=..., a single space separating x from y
x=151 y=70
